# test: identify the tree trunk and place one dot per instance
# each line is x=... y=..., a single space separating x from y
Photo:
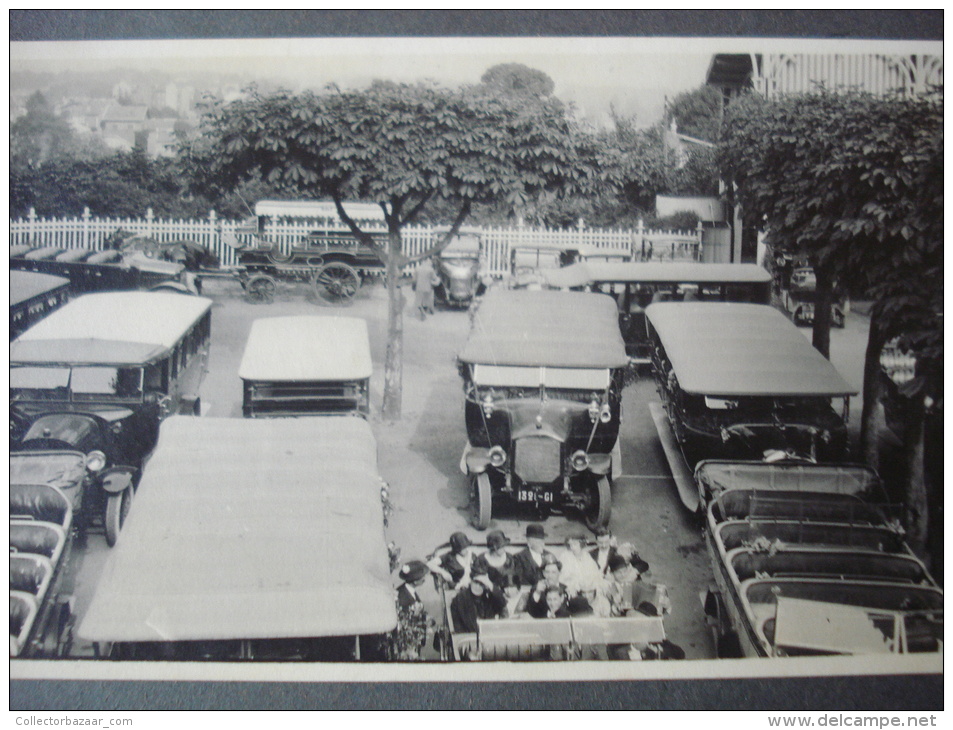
x=394 y=360
x=823 y=299
x=915 y=502
x=870 y=414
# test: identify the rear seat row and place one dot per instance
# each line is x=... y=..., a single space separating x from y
x=40 y=521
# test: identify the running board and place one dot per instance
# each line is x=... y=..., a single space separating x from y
x=684 y=480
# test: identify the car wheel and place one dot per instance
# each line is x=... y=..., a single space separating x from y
x=336 y=283
x=117 y=509
x=261 y=289
x=599 y=507
x=483 y=492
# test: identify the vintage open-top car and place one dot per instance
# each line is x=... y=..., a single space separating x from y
x=542 y=374
x=97 y=375
x=459 y=266
x=798 y=299
x=809 y=561
x=739 y=381
x=253 y=539
x=296 y=366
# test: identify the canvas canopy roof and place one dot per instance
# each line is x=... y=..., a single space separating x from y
x=846 y=479
x=307 y=349
x=545 y=329
x=250 y=529
x=316 y=209
x=733 y=349
x=110 y=327
x=24 y=285
x=658 y=273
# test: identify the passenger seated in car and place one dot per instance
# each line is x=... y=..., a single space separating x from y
x=496 y=562
x=454 y=566
x=579 y=571
x=479 y=600
x=529 y=561
x=516 y=598
x=538 y=605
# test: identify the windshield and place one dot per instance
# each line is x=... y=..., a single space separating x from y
x=85 y=384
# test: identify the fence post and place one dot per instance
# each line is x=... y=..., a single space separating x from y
x=213 y=239
x=149 y=222
x=699 y=255
x=86 y=215
x=32 y=227
x=640 y=239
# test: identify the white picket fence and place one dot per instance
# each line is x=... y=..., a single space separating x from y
x=220 y=235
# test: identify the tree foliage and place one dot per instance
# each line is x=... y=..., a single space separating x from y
x=41 y=136
x=517 y=79
x=697 y=113
x=853 y=183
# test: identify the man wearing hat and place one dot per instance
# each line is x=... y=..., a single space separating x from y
x=413 y=574
x=605 y=549
x=529 y=560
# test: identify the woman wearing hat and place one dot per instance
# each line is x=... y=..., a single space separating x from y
x=495 y=562
x=455 y=565
x=412 y=619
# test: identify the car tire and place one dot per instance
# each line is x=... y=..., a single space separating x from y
x=483 y=493
x=599 y=510
x=117 y=509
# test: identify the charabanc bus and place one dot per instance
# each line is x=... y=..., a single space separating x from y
x=739 y=381
x=96 y=377
x=542 y=374
x=32 y=297
x=296 y=366
x=636 y=285
x=809 y=560
x=254 y=539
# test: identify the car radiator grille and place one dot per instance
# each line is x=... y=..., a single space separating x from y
x=537 y=459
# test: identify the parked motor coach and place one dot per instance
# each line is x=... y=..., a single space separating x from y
x=542 y=374
x=739 y=381
x=636 y=285
x=97 y=376
x=252 y=539
x=297 y=366
x=32 y=297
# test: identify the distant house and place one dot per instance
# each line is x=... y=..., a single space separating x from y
x=162 y=140
x=783 y=73
x=120 y=125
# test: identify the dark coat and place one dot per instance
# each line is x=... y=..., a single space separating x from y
x=635 y=561
x=539 y=609
x=466 y=608
x=406 y=599
x=530 y=573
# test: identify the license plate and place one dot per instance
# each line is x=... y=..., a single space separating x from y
x=529 y=495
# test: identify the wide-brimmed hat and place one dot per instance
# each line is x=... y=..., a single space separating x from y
x=535 y=530
x=458 y=541
x=413 y=571
x=496 y=539
x=617 y=562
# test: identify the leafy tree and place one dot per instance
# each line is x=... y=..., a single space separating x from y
x=40 y=135
x=853 y=183
x=517 y=79
x=697 y=113
x=403 y=147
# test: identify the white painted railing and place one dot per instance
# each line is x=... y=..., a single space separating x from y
x=214 y=233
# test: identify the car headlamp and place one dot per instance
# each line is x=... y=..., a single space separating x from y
x=497 y=456
x=580 y=460
x=95 y=461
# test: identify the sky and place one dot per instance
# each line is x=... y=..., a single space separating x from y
x=635 y=75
